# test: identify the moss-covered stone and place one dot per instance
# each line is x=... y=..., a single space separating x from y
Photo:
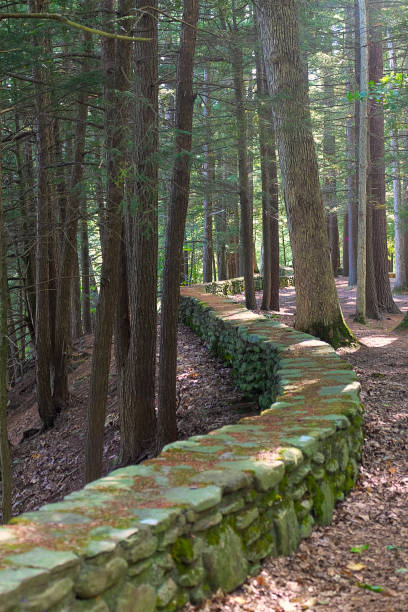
x=224 y=560
x=287 y=528
x=323 y=500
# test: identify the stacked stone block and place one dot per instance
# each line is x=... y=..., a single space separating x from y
x=208 y=510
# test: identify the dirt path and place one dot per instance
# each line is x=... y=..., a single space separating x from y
x=360 y=562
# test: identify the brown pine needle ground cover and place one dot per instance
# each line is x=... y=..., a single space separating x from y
x=360 y=561
x=48 y=466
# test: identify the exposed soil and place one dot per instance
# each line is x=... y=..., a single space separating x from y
x=48 y=466
x=360 y=561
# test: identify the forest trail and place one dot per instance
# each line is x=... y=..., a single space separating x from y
x=360 y=561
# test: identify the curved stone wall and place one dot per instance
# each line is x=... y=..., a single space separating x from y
x=203 y=514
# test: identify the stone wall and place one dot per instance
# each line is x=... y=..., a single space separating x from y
x=232 y=286
x=203 y=514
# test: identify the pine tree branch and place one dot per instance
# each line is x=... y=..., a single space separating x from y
x=70 y=23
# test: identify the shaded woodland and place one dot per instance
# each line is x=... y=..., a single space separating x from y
x=144 y=147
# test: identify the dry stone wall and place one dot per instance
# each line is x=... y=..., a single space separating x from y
x=232 y=286
x=203 y=514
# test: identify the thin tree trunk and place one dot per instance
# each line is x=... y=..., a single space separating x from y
x=116 y=68
x=266 y=204
x=245 y=209
x=377 y=166
x=43 y=323
x=5 y=464
x=69 y=255
x=400 y=268
x=180 y=188
x=317 y=305
x=329 y=179
x=76 y=318
x=208 y=175
x=362 y=167
x=85 y=270
x=346 y=270
x=221 y=230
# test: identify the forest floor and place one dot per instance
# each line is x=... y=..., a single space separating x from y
x=47 y=466
x=360 y=561
x=367 y=543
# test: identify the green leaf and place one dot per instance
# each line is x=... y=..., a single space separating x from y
x=370 y=587
x=402 y=570
x=391 y=547
x=359 y=549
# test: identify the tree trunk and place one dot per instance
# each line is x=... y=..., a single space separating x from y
x=329 y=179
x=137 y=412
x=5 y=464
x=266 y=203
x=377 y=166
x=400 y=268
x=69 y=255
x=43 y=322
x=346 y=270
x=76 y=318
x=317 y=310
x=221 y=231
x=85 y=270
x=208 y=174
x=116 y=68
x=180 y=188
x=362 y=166
x=245 y=209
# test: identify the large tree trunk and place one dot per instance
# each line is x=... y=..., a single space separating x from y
x=318 y=310
x=377 y=166
x=137 y=411
x=180 y=188
x=245 y=208
x=116 y=67
x=5 y=465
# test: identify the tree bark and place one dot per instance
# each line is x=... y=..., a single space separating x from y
x=208 y=174
x=85 y=270
x=116 y=66
x=137 y=411
x=377 y=166
x=245 y=209
x=362 y=166
x=43 y=321
x=400 y=268
x=266 y=203
x=69 y=254
x=5 y=464
x=180 y=188
x=221 y=229
x=318 y=310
